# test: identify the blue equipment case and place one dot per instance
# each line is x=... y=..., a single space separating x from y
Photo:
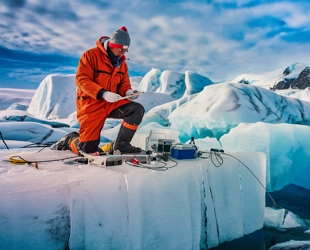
x=183 y=151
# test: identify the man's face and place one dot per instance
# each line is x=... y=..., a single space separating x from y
x=119 y=52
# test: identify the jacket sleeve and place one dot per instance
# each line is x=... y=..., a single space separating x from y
x=85 y=75
x=125 y=82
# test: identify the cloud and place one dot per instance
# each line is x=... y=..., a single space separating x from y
x=28 y=75
x=14 y=3
x=27 y=69
x=218 y=39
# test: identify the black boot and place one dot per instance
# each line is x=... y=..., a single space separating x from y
x=64 y=142
x=123 y=140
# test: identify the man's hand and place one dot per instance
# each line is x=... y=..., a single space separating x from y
x=131 y=92
x=110 y=96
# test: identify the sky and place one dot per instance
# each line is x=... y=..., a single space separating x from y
x=218 y=39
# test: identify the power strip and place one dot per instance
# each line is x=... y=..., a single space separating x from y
x=146 y=159
x=104 y=161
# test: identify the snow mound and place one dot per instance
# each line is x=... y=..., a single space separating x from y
x=173 y=83
x=269 y=79
x=55 y=97
x=285 y=145
x=221 y=107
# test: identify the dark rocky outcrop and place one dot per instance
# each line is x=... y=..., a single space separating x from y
x=287 y=71
x=244 y=81
x=284 y=84
x=303 y=80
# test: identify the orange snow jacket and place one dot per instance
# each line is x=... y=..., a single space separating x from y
x=95 y=72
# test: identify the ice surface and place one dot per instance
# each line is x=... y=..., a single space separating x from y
x=190 y=206
x=55 y=97
x=268 y=79
x=193 y=205
x=173 y=83
x=302 y=95
x=30 y=131
x=160 y=113
x=195 y=83
x=285 y=145
x=150 y=82
x=296 y=245
x=210 y=113
x=35 y=212
x=280 y=219
x=24 y=116
x=221 y=107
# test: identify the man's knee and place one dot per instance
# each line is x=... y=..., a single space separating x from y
x=140 y=109
x=137 y=113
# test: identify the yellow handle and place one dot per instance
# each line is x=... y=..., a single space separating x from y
x=17 y=160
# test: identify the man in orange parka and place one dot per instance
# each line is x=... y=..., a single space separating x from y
x=102 y=79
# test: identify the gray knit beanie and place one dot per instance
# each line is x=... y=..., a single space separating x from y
x=120 y=39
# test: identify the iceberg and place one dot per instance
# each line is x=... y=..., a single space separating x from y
x=285 y=146
x=194 y=204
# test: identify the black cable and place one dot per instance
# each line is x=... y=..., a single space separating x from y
x=217 y=156
x=165 y=157
x=220 y=160
x=31 y=145
x=38 y=145
x=274 y=203
x=3 y=140
x=176 y=163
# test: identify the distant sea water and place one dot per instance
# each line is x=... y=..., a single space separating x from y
x=293 y=198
